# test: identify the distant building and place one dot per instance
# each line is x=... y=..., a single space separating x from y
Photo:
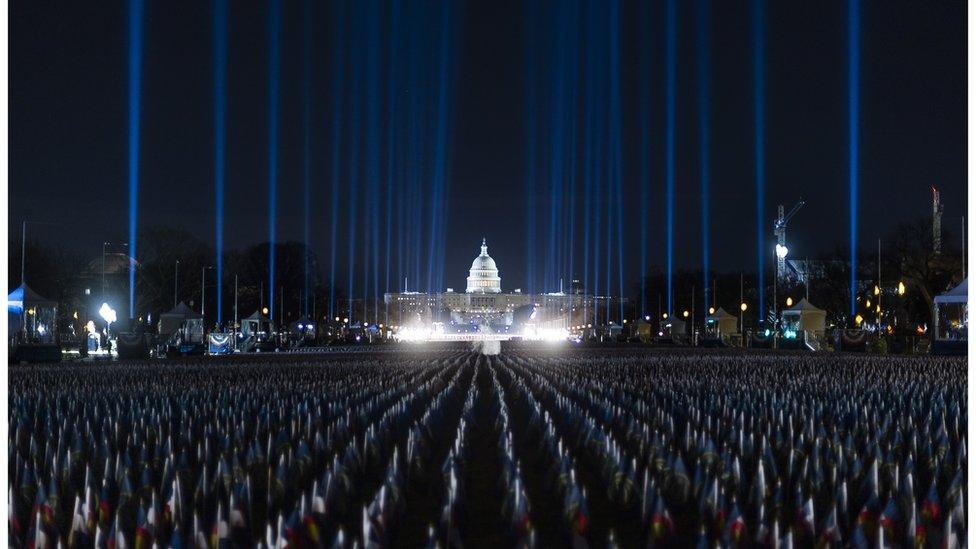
x=484 y=305
x=106 y=279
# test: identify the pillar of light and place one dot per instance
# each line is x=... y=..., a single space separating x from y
x=670 y=40
x=569 y=55
x=588 y=161
x=704 y=137
x=274 y=46
x=338 y=68
x=853 y=90
x=355 y=87
x=570 y=244
x=135 y=102
x=555 y=157
x=220 y=94
x=759 y=106
x=306 y=145
x=531 y=114
x=391 y=125
x=599 y=167
x=645 y=145
x=442 y=137
x=615 y=132
x=372 y=159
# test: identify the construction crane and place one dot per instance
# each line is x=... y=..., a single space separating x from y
x=779 y=230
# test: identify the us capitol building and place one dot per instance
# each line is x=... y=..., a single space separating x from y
x=484 y=305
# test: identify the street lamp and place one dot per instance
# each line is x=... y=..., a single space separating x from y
x=901 y=289
x=203 y=293
x=789 y=301
x=176 y=283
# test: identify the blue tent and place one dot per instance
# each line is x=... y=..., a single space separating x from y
x=31 y=314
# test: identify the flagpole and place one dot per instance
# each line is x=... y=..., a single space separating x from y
x=235 y=312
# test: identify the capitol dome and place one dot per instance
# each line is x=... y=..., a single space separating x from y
x=483 y=277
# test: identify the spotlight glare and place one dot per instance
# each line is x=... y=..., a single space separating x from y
x=107 y=313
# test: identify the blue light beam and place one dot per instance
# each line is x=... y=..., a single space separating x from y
x=220 y=136
x=337 y=88
x=274 y=47
x=306 y=149
x=135 y=101
x=759 y=83
x=671 y=40
x=704 y=138
x=853 y=91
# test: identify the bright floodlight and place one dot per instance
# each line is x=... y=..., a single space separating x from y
x=107 y=313
x=781 y=251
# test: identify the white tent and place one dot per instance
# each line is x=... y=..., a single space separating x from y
x=956 y=296
x=722 y=322
x=675 y=327
x=804 y=316
x=256 y=325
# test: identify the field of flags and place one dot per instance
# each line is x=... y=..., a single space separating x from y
x=448 y=448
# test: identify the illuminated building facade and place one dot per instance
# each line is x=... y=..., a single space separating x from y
x=484 y=305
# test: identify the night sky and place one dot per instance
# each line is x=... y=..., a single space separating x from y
x=69 y=124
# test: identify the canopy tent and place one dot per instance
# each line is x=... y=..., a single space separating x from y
x=804 y=316
x=25 y=298
x=956 y=326
x=255 y=325
x=674 y=327
x=959 y=294
x=172 y=320
x=31 y=315
x=722 y=322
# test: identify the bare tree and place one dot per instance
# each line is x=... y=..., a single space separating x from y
x=914 y=260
